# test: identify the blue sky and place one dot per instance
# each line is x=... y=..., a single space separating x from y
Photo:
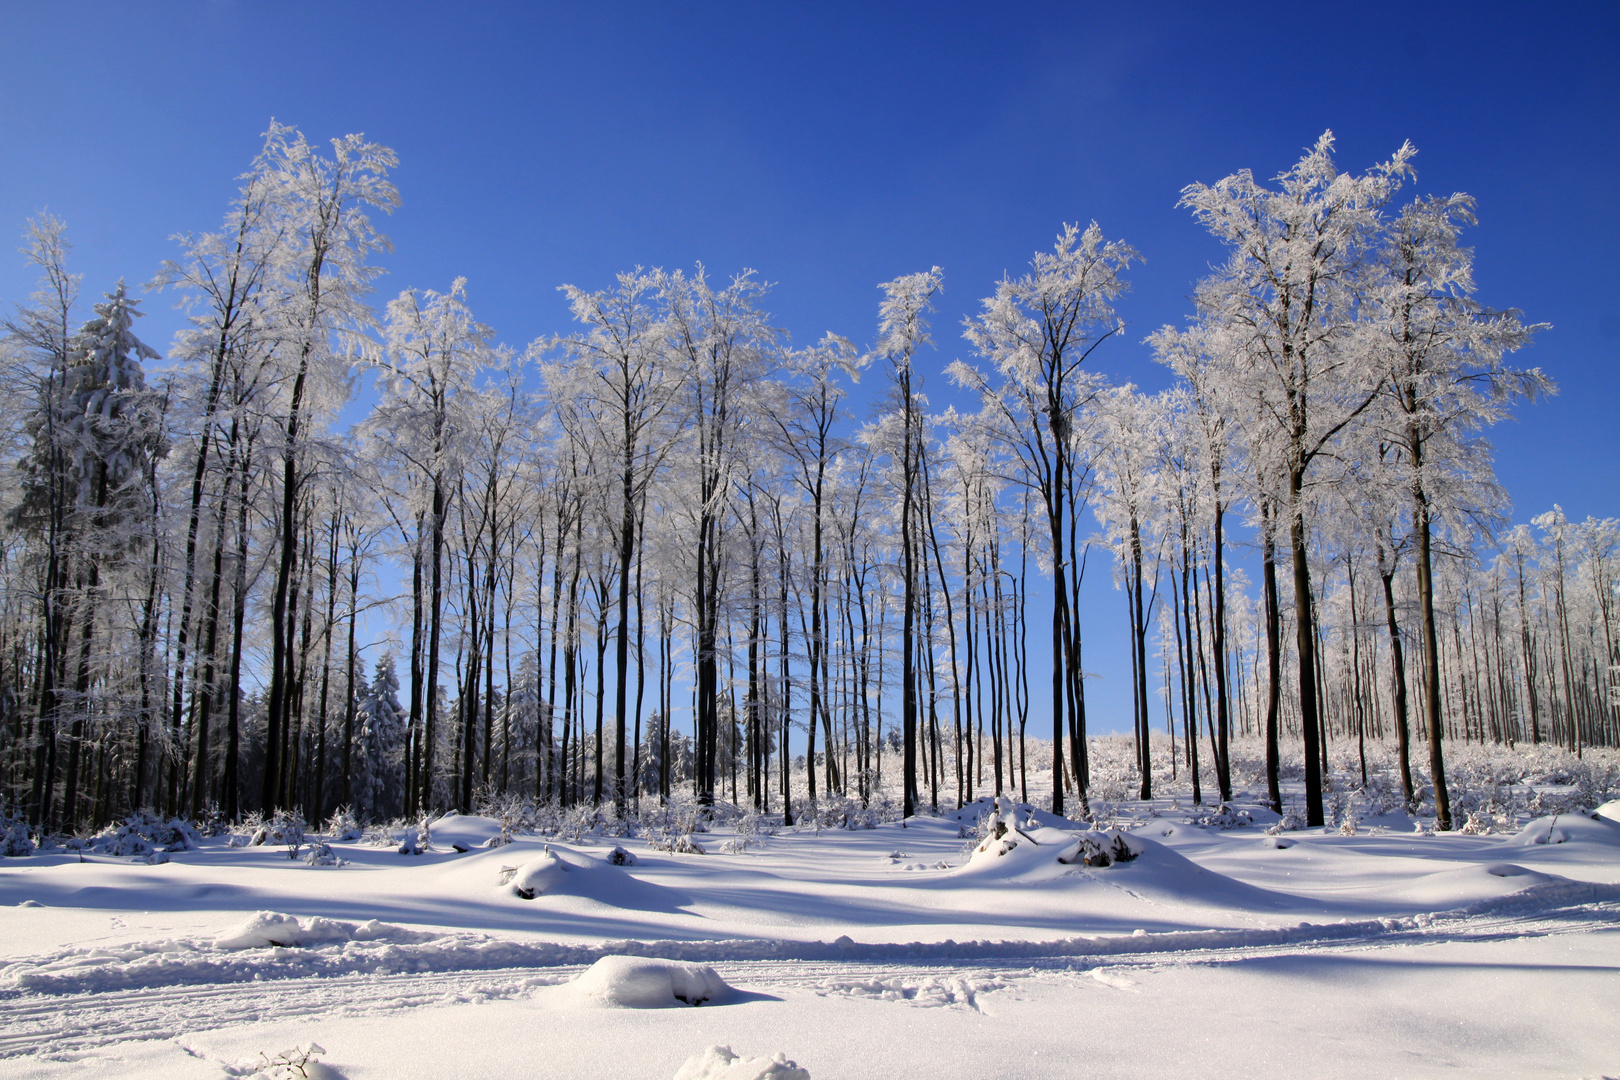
x=832 y=147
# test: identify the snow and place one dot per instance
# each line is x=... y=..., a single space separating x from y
x=1570 y=828
x=463 y=832
x=632 y=982
x=720 y=1063
x=901 y=950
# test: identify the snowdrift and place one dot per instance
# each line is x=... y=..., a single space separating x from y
x=720 y=1063
x=1568 y=828
x=558 y=872
x=644 y=982
x=463 y=832
x=1109 y=858
x=271 y=929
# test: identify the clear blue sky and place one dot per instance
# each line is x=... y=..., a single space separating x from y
x=832 y=147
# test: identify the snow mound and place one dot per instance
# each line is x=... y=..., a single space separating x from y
x=1041 y=852
x=720 y=1063
x=636 y=982
x=546 y=874
x=1396 y=821
x=1162 y=829
x=271 y=929
x=558 y=872
x=1609 y=811
x=1507 y=869
x=1059 y=858
x=1565 y=828
x=463 y=832
x=1023 y=813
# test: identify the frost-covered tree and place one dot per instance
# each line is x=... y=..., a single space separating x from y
x=431 y=351
x=722 y=346
x=1297 y=269
x=379 y=742
x=322 y=276
x=1444 y=355
x=615 y=393
x=902 y=332
x=1035 y=332
x=97 y=441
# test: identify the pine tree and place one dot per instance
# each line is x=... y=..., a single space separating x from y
x=380 y=734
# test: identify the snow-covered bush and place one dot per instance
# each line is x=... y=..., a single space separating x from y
x=284 y=827
x=1099 y=849
x=416 y=839
x=343 y=826
x=579 y=822
x=1289 y=822
x=212 y=822
x=676 y=843
x=14 y=838
x=296 y=1064
x=141 y=835
x=1224 y=817
x=843 y=812
x=511 y=811
x=756 y=825
x=321 y=854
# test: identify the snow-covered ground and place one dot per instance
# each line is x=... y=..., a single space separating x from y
x=1160 y=947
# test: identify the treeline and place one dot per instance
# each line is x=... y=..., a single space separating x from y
x=656 y=550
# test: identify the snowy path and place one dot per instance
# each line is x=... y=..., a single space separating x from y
x=70 y=1023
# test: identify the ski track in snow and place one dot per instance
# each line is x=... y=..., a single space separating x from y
x=61 y=1025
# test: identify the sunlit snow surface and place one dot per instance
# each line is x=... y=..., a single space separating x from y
x=894 y=951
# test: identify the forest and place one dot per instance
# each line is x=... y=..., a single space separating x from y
x=660 y=550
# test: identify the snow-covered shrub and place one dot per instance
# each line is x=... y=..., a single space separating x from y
x=212 y=822
x=510 y=810
x=296 y=1064
x=1224 y=817
x=998 y=829
x=620 y=857
x=671 y=827
x=1287 y=823
x=756 y=825
x=1596 y=784
x=141 y=835
x=417 y=839
x=1380 y=796
x=285 y=827
x=843 y=812
x=676 y=843
x=1099 y=849
x=579 y=822
x=321 y=854
x=343 y=826
x=14 y=838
